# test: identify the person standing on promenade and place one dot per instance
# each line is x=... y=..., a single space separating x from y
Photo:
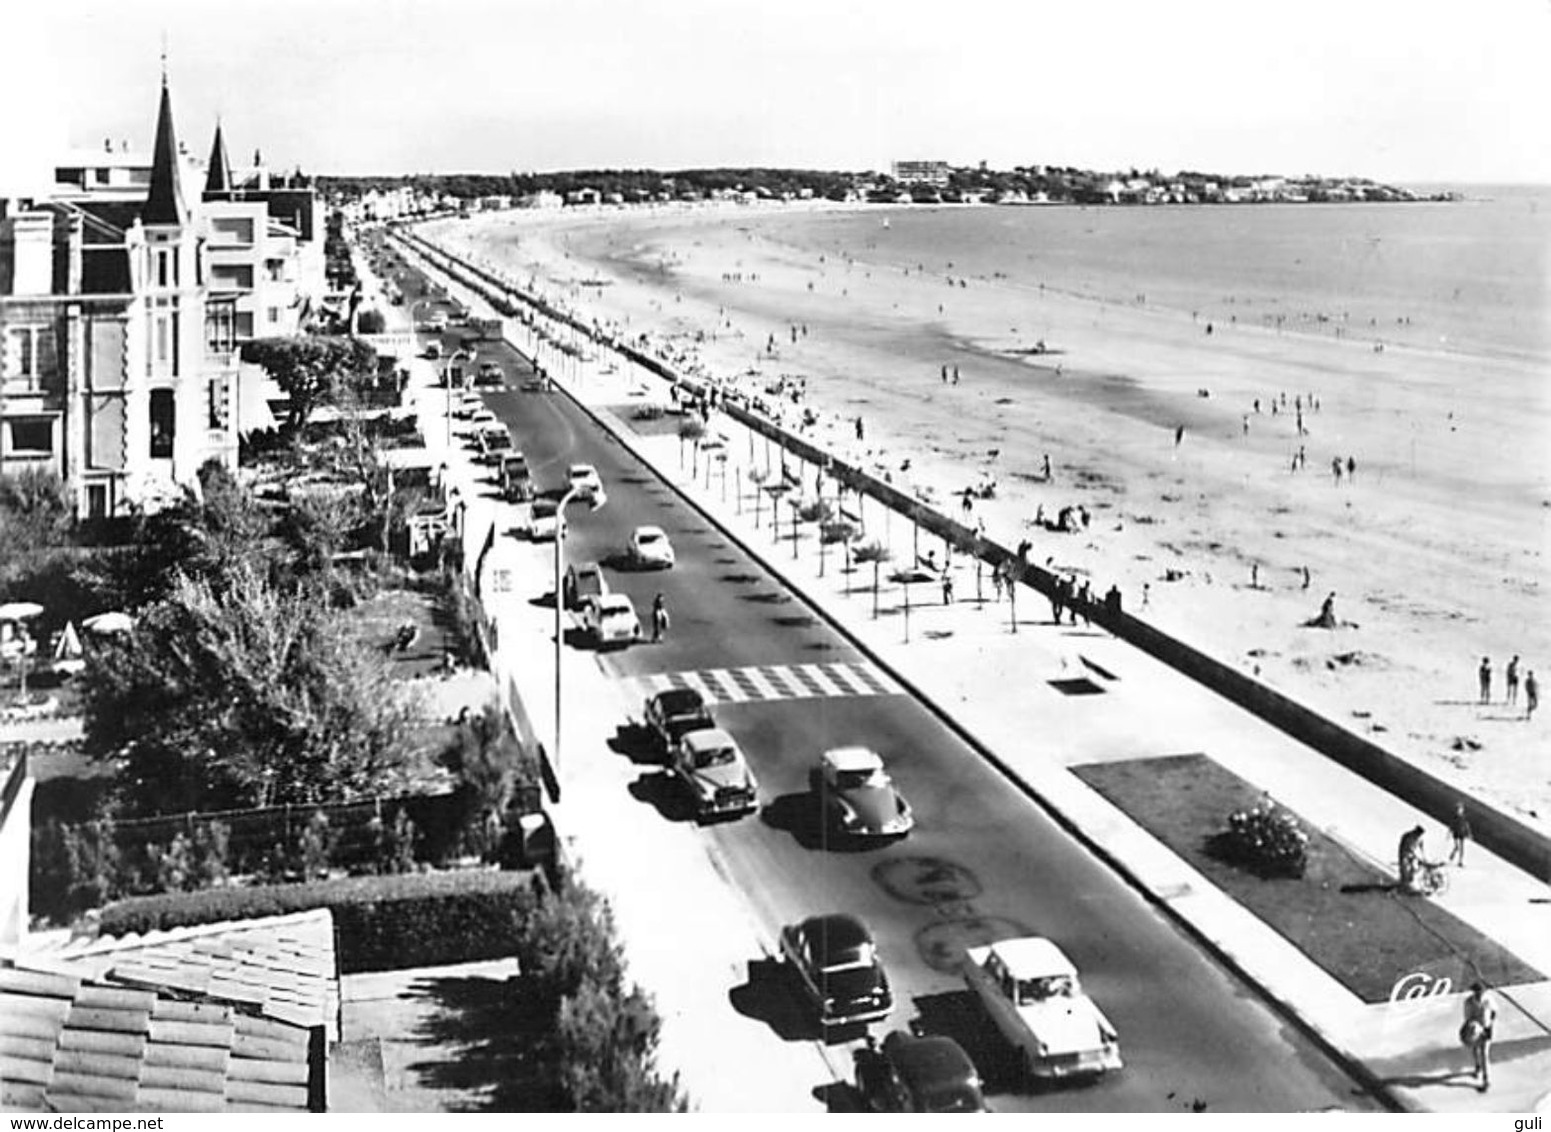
x=1484 y=677
x=1512 y=678
x=947 y=587
x=1531 y=694
x=1459 y=830
x=659 y=618
x=1476 y=1031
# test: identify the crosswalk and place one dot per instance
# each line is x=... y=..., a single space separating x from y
x=757 y=683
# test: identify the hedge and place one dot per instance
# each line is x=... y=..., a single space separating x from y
x=382 y=923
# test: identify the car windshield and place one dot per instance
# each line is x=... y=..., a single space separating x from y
x=648 y=538
x=715 y=756
x=859 y=779
x=1031 y=991
x=544 y=510
x=679 y=701
x=615 y=611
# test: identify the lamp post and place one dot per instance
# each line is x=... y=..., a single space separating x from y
x=559 y=606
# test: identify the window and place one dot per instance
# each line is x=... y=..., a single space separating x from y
x=20 y=352
x=30 y=436
x=232 y=229
x=274 y=314
x=97 y=501
x=220 y=404
x=244 y=325
x=163 y=339
x=232 y=277
x=163 y=260
x=220 y=327
x=163 y=423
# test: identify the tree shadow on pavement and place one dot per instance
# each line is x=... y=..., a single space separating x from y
x=493 y=1045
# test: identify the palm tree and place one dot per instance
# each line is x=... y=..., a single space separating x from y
x=877 y=554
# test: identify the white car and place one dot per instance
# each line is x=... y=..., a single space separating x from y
x=649 y=546
x=585 y=482
x=1029 y=989
x=858 y=796
x=482 y=418
x=610 y=619
x=712 y=768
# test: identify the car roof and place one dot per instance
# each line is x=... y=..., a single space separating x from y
x=648 y=532
x=676 y=701
x=1033 y=958
x=583 y=470
x=615 y=601
x=931 y=1059
x=586 y=568
x=835 y=933
x=853 y=758
x=712 y=737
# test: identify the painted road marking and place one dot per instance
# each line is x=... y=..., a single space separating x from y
x=770 y=682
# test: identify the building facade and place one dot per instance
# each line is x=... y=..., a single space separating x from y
x=124 y=300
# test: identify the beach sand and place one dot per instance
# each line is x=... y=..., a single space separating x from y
x=1434 y=548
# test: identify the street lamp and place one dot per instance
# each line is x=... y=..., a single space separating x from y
x=559 y=606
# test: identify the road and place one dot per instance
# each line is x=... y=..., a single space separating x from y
x=985 y=862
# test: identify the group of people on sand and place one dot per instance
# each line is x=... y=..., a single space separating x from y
x=1511 y=681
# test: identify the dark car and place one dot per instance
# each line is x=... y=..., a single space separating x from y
x=582 y=583
x=918 y=1074
x=516 y=479
x=674 y=713
x=494 y=443
x=489 y=376
x=836 y=962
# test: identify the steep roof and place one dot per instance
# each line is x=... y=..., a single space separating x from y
x=218 y=180
x=164 y=203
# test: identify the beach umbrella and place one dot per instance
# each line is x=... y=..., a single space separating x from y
x=114 y=622
x=20 y=610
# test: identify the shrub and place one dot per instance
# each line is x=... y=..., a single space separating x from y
x=1265 y=840
x=605 y=1052
x=172 y=866
x=383 y=923
x=569 y=940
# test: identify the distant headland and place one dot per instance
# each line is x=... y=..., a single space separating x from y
x=908 y=182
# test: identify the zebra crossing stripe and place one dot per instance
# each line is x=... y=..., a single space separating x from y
x=815 y=674
x=844 y=677
x=870 y=678
x=746 y=683
x=807 y=679
x=777 y=680
x=720 y=692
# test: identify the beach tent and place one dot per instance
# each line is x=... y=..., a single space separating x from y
x=68 y=656
x=107 y=623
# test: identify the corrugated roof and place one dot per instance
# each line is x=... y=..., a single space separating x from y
x=212 y=1018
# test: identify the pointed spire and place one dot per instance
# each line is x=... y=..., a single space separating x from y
x=164 y=204
x=218 y=181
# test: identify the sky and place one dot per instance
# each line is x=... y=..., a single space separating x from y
x=1404 y=91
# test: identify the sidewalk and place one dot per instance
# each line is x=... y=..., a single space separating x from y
x=964 y=659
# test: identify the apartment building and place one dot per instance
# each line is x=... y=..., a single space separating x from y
x=124 y=300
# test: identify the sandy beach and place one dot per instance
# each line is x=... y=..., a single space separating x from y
x=1178 y=431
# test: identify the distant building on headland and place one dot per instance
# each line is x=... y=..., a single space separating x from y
x=933 y=173
x=125 y=295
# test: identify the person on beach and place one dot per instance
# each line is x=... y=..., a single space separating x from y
x=1047 y=466
x=1531 y=694
x=1307 y=577
x=1179 y=434
x=1146 y=594
x=1480 y=1018
x=955 y=375
x=1484 y=678
x=1335 y=469
x=1459 y=830
x=1511 y=676
x=1327 y=610
x=860 y=430
x=1351 y=468
x=945 y=375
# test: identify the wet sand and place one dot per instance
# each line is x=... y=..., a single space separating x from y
x=1435 y=547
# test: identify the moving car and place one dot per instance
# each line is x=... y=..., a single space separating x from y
x=712 y=768
x=858 y=796
x=836 y=962
x=1030 y=990
x=583 y=583
x=489 y=375
x=674 y=713
x=649 y=547
x=534 y=383
x=545 y=521
x=433 y=350
x=918 y=1074
x=585 y=482
x=610 y=620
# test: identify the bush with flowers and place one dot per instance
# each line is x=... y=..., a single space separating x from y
x=1266 y=840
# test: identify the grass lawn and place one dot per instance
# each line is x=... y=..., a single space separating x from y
x=1344 y=914
x=376 y=622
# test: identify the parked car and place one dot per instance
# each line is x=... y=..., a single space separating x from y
x=649 y=547
x=516 y=479
x=545 y=521
x=1030 y=991
x=480 y=418
x=610 y=619
x=494 y=443
x=918 y=1074
x=468 y=405
x=714 y=771
x=857 y=795
x=584 y=481
x=582 y=583
x=673 y=713
x=836 y=962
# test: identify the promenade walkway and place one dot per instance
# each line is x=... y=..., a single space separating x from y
x=994 y=684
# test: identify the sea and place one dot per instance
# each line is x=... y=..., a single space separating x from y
x=1471 y=275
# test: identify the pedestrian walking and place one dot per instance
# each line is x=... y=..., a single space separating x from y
x=1512 y=678
x=1475 y=1032
x=1254 y=575
x=659 y=618
x=1459 y=830
x=1146 y=594
x=1179 y=434
x=955 y=375
x=1307 y=577
x=945 y=375
x=1057 y=591
x=1351 y=467
x=1335 y=469
x=1531 y=694
x=947 y=588
x=1047 y=467
x=996 y=583
x=1484 y=677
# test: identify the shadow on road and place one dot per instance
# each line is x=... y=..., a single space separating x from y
x=636 y=743
x=800 y=815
